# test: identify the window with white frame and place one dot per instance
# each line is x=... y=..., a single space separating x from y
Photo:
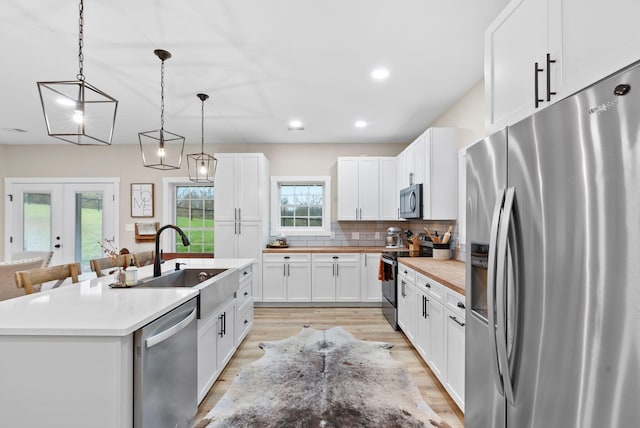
x=301 y=206
x=190 y=207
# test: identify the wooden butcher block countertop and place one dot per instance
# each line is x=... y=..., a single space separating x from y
x=450 y=273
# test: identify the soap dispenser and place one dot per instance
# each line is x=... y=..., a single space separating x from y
x=131 y=277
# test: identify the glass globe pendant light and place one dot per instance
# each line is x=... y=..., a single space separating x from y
x=76 y=111
x=202 y=166
x=161 y=149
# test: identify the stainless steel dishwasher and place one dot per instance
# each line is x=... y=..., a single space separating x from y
x=165 y=370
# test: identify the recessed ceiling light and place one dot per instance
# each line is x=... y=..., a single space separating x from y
x=361 y=124
x=296 y=125
x=380 y=74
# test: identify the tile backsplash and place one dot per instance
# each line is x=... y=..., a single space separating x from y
x=372 y=234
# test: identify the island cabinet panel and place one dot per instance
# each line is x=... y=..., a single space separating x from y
x=93 y=373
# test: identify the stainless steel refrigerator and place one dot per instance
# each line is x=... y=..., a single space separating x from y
x=553 y=265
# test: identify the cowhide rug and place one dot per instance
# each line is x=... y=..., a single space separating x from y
x=326 y=379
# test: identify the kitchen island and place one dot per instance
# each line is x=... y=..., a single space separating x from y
x=67 y=353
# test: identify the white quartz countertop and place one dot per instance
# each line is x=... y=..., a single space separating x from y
x=92 y=308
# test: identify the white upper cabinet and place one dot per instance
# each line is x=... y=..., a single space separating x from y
x=242 y=192
x=360 y=188
x=598 y=38
x=389 y=197
x=432 y=160
x=540 y=51
x=440 y=183
x=514 y=43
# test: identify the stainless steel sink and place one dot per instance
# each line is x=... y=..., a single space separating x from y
x=181 y=278
x=218 y=285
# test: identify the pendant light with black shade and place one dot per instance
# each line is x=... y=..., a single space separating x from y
x=202 y=166
x=161 y=149
x=76 y=111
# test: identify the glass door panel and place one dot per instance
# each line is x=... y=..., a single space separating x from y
x=36 y=213
x=88 y=227
x=69 y=218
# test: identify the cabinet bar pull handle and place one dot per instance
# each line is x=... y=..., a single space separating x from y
x=337 y=270
x=536 y=70
x=427 y=307
x=284 y=269
x=288 y=269
x=424 y=307
x=239 y=214
x=549 y=62
x=461 y=305
x=461 y=324
x=428 y=285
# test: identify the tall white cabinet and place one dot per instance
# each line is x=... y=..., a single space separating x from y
x=241 y=209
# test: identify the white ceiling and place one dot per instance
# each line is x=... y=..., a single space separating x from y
x=263 y=63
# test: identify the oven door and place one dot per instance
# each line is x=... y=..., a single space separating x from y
x=389 y=280
x=389 y=305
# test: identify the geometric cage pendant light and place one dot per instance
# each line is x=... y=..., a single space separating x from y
x=202 y=166
x=161 y=149
x=76 y=111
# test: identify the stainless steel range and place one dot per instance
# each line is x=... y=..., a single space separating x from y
x=390 y=278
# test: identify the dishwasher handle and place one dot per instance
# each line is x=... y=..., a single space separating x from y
x=171 y=331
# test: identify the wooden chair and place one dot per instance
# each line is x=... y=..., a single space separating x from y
x=27 y=279
x=143 y=258
x=22 y=255
x=8 y=287
x=105 y=265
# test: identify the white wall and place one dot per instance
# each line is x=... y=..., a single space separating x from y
x=467 y=114
x=124 y=161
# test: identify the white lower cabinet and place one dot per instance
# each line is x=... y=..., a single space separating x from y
x=432 y=317
x=216 y=345
x=407 y=301
x=321 y=277
x=371 y=286
x=430 y=332
x=335 y=277
x=286 y=277
x=455 y=331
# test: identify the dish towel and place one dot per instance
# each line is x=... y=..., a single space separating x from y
x=385 y=271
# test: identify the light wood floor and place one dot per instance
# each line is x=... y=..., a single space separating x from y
x=364 y=323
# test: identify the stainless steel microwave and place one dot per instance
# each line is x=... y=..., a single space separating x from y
x=411 y=201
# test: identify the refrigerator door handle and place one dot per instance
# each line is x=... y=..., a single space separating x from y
x=491 y=289
x=501 y=296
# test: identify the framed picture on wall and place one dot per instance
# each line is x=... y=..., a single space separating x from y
x=141 y=199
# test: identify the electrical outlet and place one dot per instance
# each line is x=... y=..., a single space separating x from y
x=355 y=235
x=377 y=235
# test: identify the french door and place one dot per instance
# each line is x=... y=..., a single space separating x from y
x=70 y=217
